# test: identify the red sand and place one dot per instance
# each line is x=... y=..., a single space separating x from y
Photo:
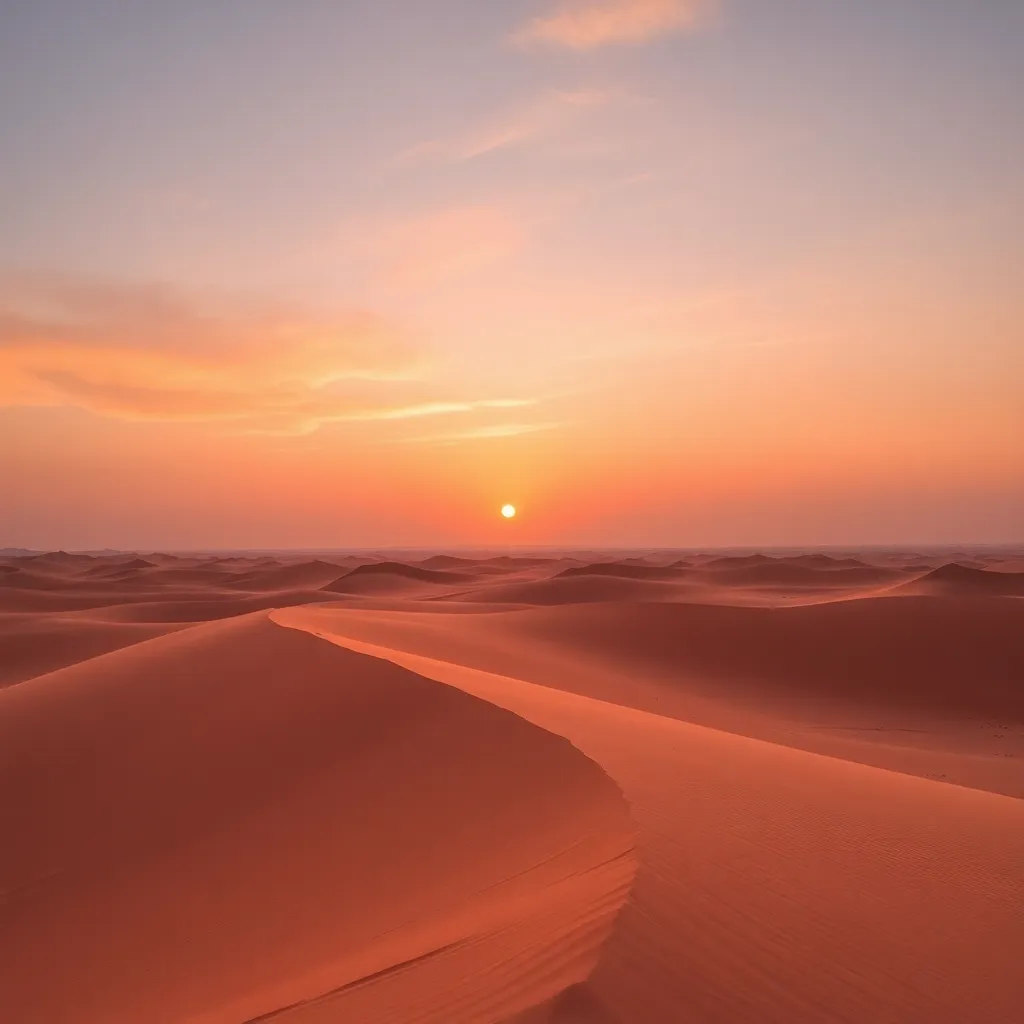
x=758 y=788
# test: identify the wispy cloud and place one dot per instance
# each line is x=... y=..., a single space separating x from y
x=538 y=118
x=449 y=242
x=589 y=24
x=142 y=353
x=409 y=412
x=485 y=432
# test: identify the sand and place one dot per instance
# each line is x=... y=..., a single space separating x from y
x=446 y=788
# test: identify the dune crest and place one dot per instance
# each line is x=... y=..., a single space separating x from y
x=954 y=578
x=586 y=788
x=623 y=570
x=245 y=822
x=773 y=882
x=376 y=577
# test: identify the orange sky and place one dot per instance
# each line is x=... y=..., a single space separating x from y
x=657 y=272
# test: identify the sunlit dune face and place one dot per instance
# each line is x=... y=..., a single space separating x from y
x=508 y=511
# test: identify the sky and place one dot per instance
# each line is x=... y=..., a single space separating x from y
x=356 y=273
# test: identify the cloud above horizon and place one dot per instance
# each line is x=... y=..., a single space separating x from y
x=488 y=431
x=538 y=118
x=448 y=243
x=590 y=24
x=142 y=353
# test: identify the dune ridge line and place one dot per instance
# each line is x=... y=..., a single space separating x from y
x=244 y=819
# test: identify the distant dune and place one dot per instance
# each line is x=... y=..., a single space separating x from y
x=32 y=577
x=738 y=562
x=110 y=568
x=954 y=578
x=624 y=570
x=820 y=561
x=312 y=574
x=523 y=561
x=450 y=562
x=796 y=574
x=578 y=589
x=379 y=576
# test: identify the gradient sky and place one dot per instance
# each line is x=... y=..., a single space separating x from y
x=330 y=273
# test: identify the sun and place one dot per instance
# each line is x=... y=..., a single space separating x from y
x=508 y=511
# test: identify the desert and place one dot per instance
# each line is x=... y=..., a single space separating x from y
x=488 y=788
x=511 y=512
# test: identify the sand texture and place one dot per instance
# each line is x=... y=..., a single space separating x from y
x=551 y=787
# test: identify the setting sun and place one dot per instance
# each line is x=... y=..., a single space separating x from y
x=508 y=511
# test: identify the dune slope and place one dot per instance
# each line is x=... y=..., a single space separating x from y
x=780 y=885
x=954 y=578
x=244 y=822
x=32 y=645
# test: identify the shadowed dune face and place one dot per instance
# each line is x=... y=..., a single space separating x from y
x=282 y=824
x=790 y=574
x=778 y=885
x=522 y=788
x=961 y=579
x=309 y=575
x=577 y=589
x=32 y=645
x=383 y=577
x=951 y=656
x=623 y=570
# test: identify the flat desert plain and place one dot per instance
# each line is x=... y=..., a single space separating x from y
x=552 y=787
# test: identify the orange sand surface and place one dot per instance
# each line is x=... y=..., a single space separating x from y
x=548 y=787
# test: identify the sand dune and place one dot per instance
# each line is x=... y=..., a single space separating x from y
x=774 y=882
x=602 y=788
x=194 y=606
x=524 y=561
x=108 y=568
x=738 y=561
x=572 y=590
x=208 y=575
x=822 y=561
x=793 y=574
x=56 y=561
x=955 y=578
x=953 y=657
x=244 y=820
x=29 y=579
x=453 y=562
x=126 y=602
x=32 y=645
x=312 y=574
x=378 y=577
x=623 y=570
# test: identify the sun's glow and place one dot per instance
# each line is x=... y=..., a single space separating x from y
x=508 y=511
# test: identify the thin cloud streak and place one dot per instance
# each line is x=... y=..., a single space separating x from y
x=540 y=118
x=448 y=243
x=442 y=409
x=587 y=25
x=141 y=354
x=487 y=432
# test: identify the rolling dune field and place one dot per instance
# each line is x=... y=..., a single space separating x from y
x=548 y=787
